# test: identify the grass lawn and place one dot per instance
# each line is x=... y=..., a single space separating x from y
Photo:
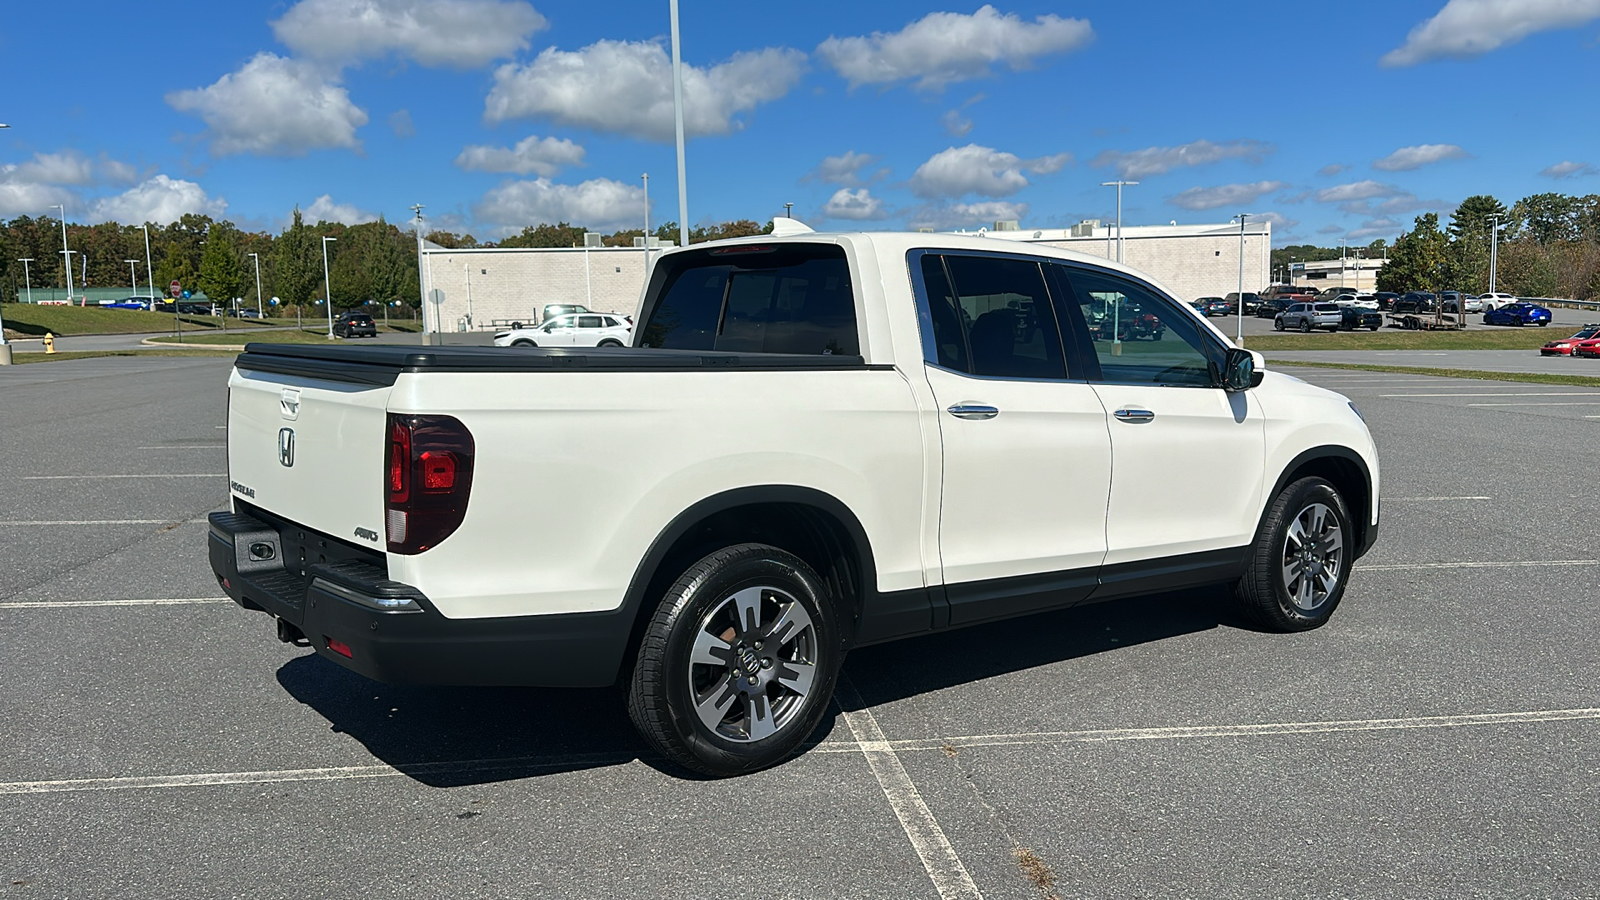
x=1478 y=374
x=25 y=358
x=35 y=319
x=1400 y=339
x=302 y=336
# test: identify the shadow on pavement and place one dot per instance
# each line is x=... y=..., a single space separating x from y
x=452 y=737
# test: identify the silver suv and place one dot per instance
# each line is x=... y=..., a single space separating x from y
x=1306 y=316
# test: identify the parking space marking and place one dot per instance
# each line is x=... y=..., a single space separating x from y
x=1507 y=564
x=1429 y=499
x=67 y=604
x=188 y=447
x=939 y=859
x=330 y=773
x=1505 y=394
x=45 y=522
x=1108 y=735
x=89 y=477
x=1535 y=404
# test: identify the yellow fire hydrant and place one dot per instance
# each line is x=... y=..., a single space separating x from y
x=49 y=342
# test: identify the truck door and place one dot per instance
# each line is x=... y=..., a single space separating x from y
x=1027 y=454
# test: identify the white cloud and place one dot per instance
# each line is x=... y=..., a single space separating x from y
x=1224 y=195
x=969 y=215
x=1278 y=220
x=1380 y=227
x=33 y=186
x=979 y=170
x=274 y=107
x=531 y=155
x=1407 y=158
x=66 y=167
x=1569 y=169
x=621 y=87
x=402 y=126
x=22 y=196
x=1357 y=190
x=461 y=34
x=857 y=205
x=161 y=200
x=596 y=204
x=955 y=124
x=115 y=171
x=1160 y=160
x=1332 y=169
x=1466 y=28
x=844 y=170
x=324 y=209
x=945 y=47
x=1330 y=229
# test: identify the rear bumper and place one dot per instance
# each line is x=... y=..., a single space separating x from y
x=396 y=635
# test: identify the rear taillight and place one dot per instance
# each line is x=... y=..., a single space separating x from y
x=429 y=480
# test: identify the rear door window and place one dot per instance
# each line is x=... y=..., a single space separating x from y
x=590 y=322
x=781 y=298
x=992 y=317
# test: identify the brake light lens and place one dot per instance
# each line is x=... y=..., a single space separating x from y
x=429 y=480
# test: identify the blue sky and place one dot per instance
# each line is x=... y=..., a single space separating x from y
x=497 y=114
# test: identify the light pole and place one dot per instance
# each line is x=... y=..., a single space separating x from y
x=677 y=114
x=1358 y=251
x=260 y=313
x=1291 y=271
x=1342 y=253
x=1238 y=336
x=133 y=275
x=1119 y=185
x=66 y=254
x=1494 y=248
x=27 y=282
x=149 y=275
x=327 y=283
x=422 y=287
x=788 y=210
x=646 y=177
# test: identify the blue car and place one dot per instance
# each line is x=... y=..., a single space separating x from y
x=1517 y=314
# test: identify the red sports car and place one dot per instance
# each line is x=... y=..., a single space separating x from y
x=1565 y=346
x=1589 y=348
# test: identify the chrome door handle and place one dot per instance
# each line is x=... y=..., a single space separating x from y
x=973 y=411
x=1134 y=415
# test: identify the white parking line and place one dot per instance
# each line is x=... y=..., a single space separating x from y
x=38 y=522
x=1422 y=499
x=188 y=447
x=1107 y=735
x=1514 y=564
x=1505 y=394
x=939 y=859
x=91 y=477
x=1535 y=404
x=66 y=604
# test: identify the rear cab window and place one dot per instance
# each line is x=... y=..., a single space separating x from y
x=753 y=298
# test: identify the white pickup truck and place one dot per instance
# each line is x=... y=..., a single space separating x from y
x=815 y=442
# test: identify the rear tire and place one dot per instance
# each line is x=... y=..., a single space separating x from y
x=610 y=343
x=1300 y=562
x=524 y=343
x=738 y=662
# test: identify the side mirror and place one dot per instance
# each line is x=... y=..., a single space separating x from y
x=1239 y=371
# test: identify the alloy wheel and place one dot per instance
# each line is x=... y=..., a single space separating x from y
x=1313 y=557
x=753 y=663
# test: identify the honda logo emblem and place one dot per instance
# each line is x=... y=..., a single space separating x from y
x=286 y=446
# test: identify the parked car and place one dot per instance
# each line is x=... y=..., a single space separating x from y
x=1251 y=301
x=354 y=325
x=1493 y=300
x=1307 y=316
x=1518 y=314
x=1219 y=307
x=1416 y=302
x=245 y=312
x=1565 y=346
x=1353 y=317
x=1385 y=299
x=587 y=330
x=1269 y=309
x=553 y=310
x=126 y=303
x=1449 y=300
x=1587 y=348
x=727 y=509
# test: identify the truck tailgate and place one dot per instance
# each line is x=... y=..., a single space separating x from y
x=311 y=451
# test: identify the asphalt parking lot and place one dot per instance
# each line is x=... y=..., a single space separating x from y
x=1437 y=738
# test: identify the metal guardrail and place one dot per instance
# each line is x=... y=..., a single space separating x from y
x=1571 y=304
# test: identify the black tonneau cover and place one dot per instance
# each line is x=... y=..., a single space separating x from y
x=382 y=364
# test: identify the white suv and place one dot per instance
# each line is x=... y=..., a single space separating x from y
x=572 y=330
x=1493 y=300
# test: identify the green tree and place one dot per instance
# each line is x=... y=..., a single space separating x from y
x=1417 y=262
x=221 y=275
x=174 y=266
x=295 y=263
x=543 y=235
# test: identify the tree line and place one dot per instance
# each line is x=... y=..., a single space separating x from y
x=374 y=262
x=1549 y=246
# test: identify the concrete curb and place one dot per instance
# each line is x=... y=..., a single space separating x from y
x=152 y=342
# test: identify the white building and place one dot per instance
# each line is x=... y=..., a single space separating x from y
x=1359 y=275
x=473 y=290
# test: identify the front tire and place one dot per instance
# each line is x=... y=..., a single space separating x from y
x=524 y=343
x=738 y=662
x=1305 y=326
x=1301 y=559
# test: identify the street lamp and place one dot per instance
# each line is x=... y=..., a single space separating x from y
x=788 y=210
x=1239 y=334
x=133 y=275
x=5 y=349
x=677 y=114
x=646 y=178
x=27 y=282
x=1119 y=185
x=66 y=254
x=327 y=283
x=260 y=313
x=1494 y=248
x=422 y=284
